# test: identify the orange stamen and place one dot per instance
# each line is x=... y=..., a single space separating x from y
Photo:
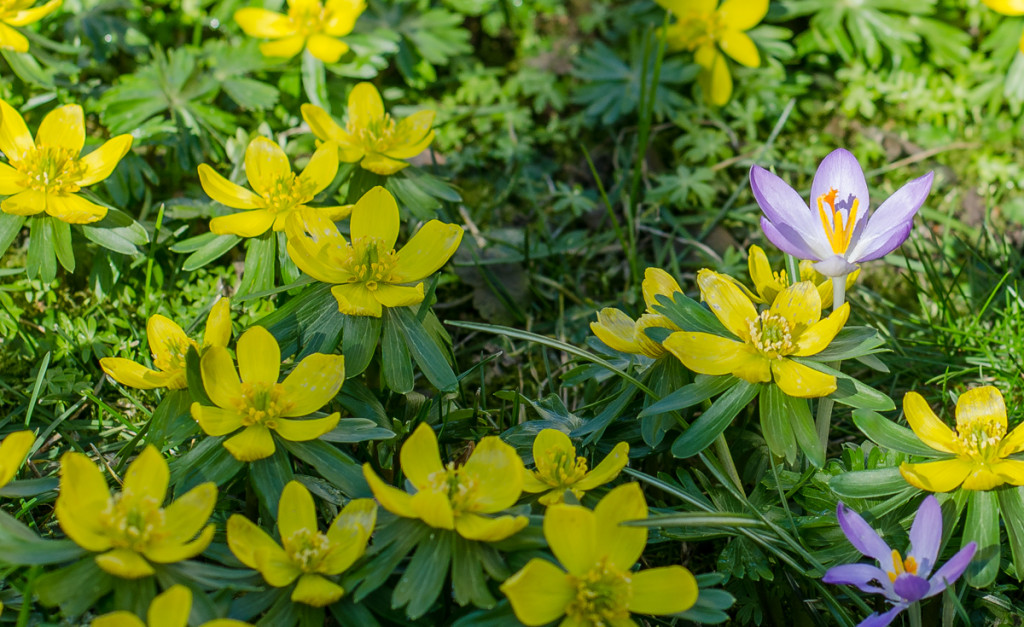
x=838 y=235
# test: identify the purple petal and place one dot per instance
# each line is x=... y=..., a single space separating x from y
x=863 y=537
x=893 y=215
x=925 y=535
x=791 y=242
x=911 y=587
x=882 y=620
x=881 y=248
x=951 y=570
x=841 y=170
x=860 y=575
x=785 y=208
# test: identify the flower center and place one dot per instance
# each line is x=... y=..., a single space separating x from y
x=901 y=566
x=839 y=236
x=979 y=438
x=371 y=262
x=771 y=335
x=174 y=357
x=308 y=18
x=561 y=467
x=287 y=193
x=459 y=487
x=375 y=135
x=308 y=549
x=132 y=522
x=50 y=169
x=602 y=596
x=262 y=403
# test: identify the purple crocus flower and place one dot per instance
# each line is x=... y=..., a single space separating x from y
x=902 y=581
x=836 y=230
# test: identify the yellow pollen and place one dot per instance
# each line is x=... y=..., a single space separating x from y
x=561 y=467
x=132 y=523
x=308 y=18
x=50 y=169
x=308 y=549
x=771 y=335
x=287 y=193
x=174 y=359
x=701 y=29
x=460 y=488
x=262 y=403
x=979 y=438
x=901 y=566
x=370 y=262
x=602 y=596
x=832 y=221
x=374 y=135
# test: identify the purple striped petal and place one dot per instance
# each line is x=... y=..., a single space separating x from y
x=787 y=240
x=860 y=575
x=892 y=216
x=863 y=537
x=882 y=620
x=880 y=249
x=787 y=210
x=925 y=535
x=911 y=587
x=951 y=570
x=841 y=171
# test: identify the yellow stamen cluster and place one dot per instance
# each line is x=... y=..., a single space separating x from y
x=174 y=357
x=50 y=169
x=371 y=262
x=901 y=566
x=702 y=29
x=562 y=467
x=131 y=522
x=287 y=192
x=376 y=135
x=262 y=403
x=308 y=549
x=460 y=488
x=602 y=596
x=771 y=335
x=308 y=18
x=839 y=236
x=979 y=438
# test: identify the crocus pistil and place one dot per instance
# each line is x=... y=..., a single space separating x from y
x=839 y=236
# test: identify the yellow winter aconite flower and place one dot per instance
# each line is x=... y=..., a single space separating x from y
x=762 y=343
x=980 y=445
x=257 y=403
x=769 y=284
x=13 y=450
x=44 y=174
x=596 y=584
x=309 y=24
x=278 y=191
x=559 y=469
x=132 y=529
x=21 y=13
x=169 y=345
x=169 y=609
x=622 y=333
x=460 y=498
x=704 y=26
x=1012 y=8
x=369 y=273
x=371 y=136
x=305 y=553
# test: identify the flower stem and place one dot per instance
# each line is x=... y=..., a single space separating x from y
x=825 y=404
x=914 y=613
x=725 y=456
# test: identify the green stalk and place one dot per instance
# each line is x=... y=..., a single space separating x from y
x=725 y=456
x=914 y=612
x=823 y=422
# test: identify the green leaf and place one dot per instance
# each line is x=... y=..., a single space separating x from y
x=75 y=588
x=469 y=584
x=396 y=362
x=982 y=526
x=212 y=248
x=62 y=243
x=1011 y=505
x=702 y=388
x=172 y=422
x=805 y=431
x=260 y=262
x=888 y=434
x=359 y=342
x=269 y=476
x=850 y=391
x=852 y=342
x=714 y=420
x=333 y=465
x=208 y=461
x=29 y=488
x=423 y=579
x=868 y=484
x=118 y=232
x=42 y=261
x=314 y=81
x=689 y=315
x=352 y=430
x=10 y=226
x=20 y=545
x=775 y=423
x=426 y=353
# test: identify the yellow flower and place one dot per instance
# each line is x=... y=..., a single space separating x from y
x=622 y=333
x=559 y=469
x=1012 y=8
x=44 y=174
x=459 y=498
x=980 y=445
x=309 y=24
x=13 y=450
x=169 y=609
x=368 y=273
x=791 y=327
x=769 y=284
x=169 y=345
x=279 y=192
x=371 y=135
x=703 y=28
x=596 y=584
x=132 y=529
x=307 y=554
x=19 y=13
x=257 y=403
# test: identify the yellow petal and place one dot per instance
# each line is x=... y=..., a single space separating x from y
x=218 y=324
x=245 y=540
x=571 y=532
x=349 y=534
x=173 y=552
x=728 y=302
x=533 y=482
x=127 y=372
x=321 y=170
x=83 y=495
x=365 y=106
x=608 y=469
x=376 y=215
x=225 y=192
x=12 y=40
x=254 y=442
x=264 y=24
x=313 y=241
x=220 y=378
x=617 y=330
x=740 y=47
x=399 y=295
x=64 y=127
x=147 y=477
x=666 y=590
x=355 y=300
x=820 y=334
x=327 y=49
x=316 y=591
x=487 y=529
x=1006 y=7
x=1010 y=471
x=216 y=421
x=73 y=209
x=15 y=140
x=420 y=457
x=412 y=135
x=11 y=181
x=765 y=281
x=711 y=354
x=714 y=79
x=259 y=356
x=304 y=430
x=497 y=471
x=656 y=283
x=622 y=545
x=276 y=566
x=382 y=164
x=433 y=508
x=742 y=14
x=265 y=165
x=800 y=305
x=185 y=517
x=1013 y=442
x=125 y=564
x=100 y=163
x=983 y=478
x=548 y=447
x=426 y=251
x=926 y=424
x=26 y=203
x=938 y=476
x=30 y=16
x=285 y=48
x=322 y=124
x=13 y=450
x=297 y=512
x=167 y=340
x=539 y=593
x=170 y=609
x=313 y=383
x=801 y=381
x=982 y=404
x=390 y=498
x=120 y=618
x=343 y=14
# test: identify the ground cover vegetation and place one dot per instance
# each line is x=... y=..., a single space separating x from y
x=498 y=312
